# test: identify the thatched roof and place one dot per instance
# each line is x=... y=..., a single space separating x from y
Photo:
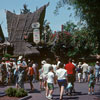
x=20 y=25
x=25 y=49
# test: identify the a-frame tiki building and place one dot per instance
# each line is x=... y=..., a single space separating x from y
x=21 y=25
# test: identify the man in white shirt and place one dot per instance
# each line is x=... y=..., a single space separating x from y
x=46 y=67
x=85 y=71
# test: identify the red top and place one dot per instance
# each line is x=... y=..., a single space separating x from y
x=70 y=68
x=31 y=71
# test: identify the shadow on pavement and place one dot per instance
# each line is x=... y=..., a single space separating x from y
x=3 y=86
x=97 y=94
x=77 y=93
x=67 y=98
x=32 y=91
x=84 y=94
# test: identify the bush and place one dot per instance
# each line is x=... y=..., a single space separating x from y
x=11 y=92
x=21 y=93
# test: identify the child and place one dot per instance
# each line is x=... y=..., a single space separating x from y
x=91 y=81
x=50 y=81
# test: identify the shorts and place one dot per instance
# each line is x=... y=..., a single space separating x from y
x=96 y=74
x=71 y=78
x=91 y=84
x=40 y=77
x=50 y=86
x=62 y=83
x=45 y=77
x=79 y=75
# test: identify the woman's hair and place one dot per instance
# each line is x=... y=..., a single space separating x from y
x=61 y=65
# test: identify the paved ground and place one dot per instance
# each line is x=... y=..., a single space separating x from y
x=81 y=92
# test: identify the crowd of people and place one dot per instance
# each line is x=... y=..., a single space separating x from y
x=18 y=72
x=49 y=74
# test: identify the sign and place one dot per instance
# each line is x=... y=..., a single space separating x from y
x=36 y=36
x=36 y=25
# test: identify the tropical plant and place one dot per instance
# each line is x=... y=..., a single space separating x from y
x=21 y=93
x=11 y=92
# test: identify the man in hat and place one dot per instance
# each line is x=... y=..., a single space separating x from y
x=46 y=67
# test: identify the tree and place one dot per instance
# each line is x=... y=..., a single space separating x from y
x=61 y=45
x=88 y=11
x=69 y=27
x=74 y=42
x=84 y=43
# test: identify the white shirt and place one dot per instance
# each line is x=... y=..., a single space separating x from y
x=85 y=67
x=50 y=77
x=54 y=67
x=46 y=68
x=61 y=74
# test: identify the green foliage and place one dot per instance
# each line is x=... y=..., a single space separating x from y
x=7 y=55
x=84 y=43
x=21 y=93
x=47 y=33
x=12 y=92
x=62 y=45
x=69 y=27
x=92 y=64
x=88 y=11
x=81 y=43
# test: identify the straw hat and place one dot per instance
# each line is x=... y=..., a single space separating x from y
x=43 y=62
x=97 y=62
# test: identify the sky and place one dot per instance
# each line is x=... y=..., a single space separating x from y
x=55 y=20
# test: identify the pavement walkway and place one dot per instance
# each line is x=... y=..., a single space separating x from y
x=80 y=94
